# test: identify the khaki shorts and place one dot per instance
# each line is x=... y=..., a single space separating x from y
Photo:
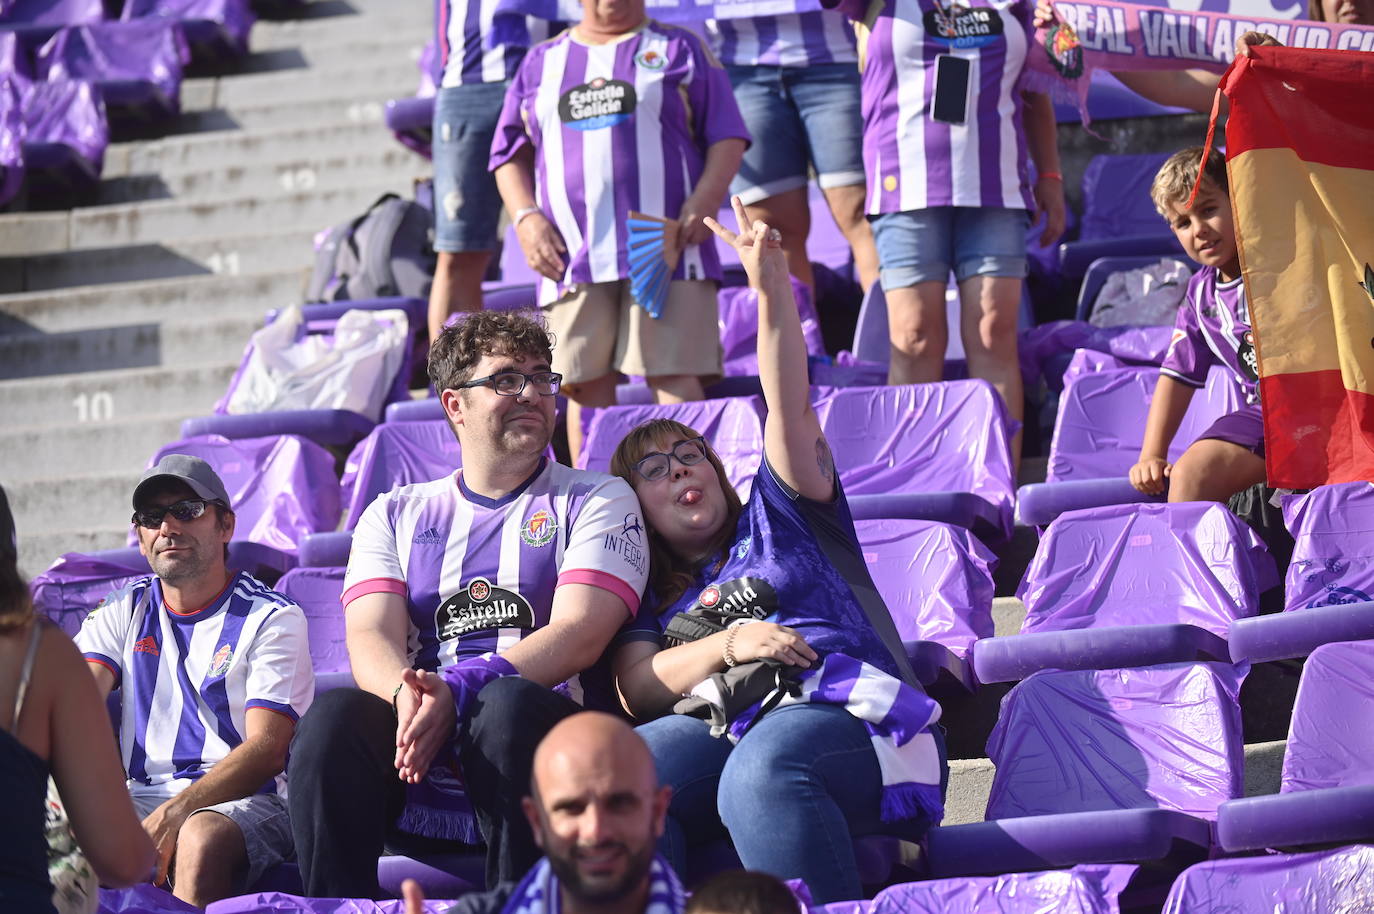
x=599 y=329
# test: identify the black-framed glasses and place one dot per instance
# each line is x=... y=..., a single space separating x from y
x=183 y=511
x=512 y=383
x=655 y=466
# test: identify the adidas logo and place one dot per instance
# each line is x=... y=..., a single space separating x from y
x=146 y=645
x=430 y=537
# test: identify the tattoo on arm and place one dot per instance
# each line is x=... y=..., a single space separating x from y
x=824 y=461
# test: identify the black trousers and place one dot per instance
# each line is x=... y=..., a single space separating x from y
x=345 y=794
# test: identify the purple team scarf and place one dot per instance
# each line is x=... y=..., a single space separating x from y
x=897 y=716
x=676 y=11
x=438 y=806
x=1124 y=36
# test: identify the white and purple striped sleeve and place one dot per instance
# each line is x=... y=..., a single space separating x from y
x=280 y=675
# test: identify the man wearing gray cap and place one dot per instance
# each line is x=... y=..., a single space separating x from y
x=214 y=671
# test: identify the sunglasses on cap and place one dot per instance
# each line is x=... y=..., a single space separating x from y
x=184 y=511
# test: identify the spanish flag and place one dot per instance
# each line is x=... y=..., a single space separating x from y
x=1300 y=160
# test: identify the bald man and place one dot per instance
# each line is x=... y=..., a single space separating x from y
x=597 y=812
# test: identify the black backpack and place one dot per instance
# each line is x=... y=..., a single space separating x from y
x=388 y=251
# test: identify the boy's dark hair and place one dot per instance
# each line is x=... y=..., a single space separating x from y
x=743 y=892
x=462 y=344
x=1176 y=177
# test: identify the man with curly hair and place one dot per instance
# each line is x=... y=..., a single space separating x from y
x=500 y=586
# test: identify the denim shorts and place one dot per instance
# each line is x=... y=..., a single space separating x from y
x=467 y=207
x=923 y=245
x=798 y=117
x=262 y=819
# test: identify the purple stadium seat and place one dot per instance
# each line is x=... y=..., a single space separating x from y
x=510 y=296
x=1098 y=434
x=65 y=135
x=281 y=487
x=440 y=875
x=76 y=583
x=273 y=902
x=428 y=409
x=825 y=244
x=1130 y=585
x=1333 y=552
x=1086 y=889
x=329 y=427
x=1323 y=882
x=326 y=550
x=395 y=454
x=1326 y=795
x=1116 y=196
x=11 y=131
x=936 y=580
x=928 y=451
x=1110 y=766
x=739 y=322
x=136 y=66
x=733 y=426
x=35 y=21
x=1288 y=635
x=213 y=28
x=317 y=591
x=412 y=121
x=1048 y=350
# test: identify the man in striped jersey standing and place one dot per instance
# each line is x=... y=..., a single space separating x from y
x=213 y=671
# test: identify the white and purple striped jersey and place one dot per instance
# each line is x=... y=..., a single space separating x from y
x=186 y=681
x=617 y=127
x=468 y=52
x=1213 y=328
x=479 y=574
x=788 y=40
x=912 y=160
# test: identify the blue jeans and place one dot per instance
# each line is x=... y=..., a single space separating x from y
x=923 y=245
x=467 y=207
x=791 y=795
x=798 y=117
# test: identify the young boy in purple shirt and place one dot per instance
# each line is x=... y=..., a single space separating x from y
x=1213 y=327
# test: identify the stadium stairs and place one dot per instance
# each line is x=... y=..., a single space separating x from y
x=121 y=318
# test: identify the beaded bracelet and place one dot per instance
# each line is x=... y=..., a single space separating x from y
x=729 y=653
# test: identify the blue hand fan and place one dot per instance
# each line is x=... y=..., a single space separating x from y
x=652 y=254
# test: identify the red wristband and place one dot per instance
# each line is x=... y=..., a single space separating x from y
x=1053 y=176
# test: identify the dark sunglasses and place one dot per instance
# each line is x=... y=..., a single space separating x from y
x=183 y=511
x=655 y=466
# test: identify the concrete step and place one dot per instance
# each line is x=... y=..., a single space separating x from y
x=275 y=252
x=44 y=505
x=1008 y=613
x=147 y=303
x=39 y=551
x=362 y=109
x=323 y=56
x=220 y=338
x=364 y=79
x=58 y=452
x=411 y=22
x=326 y=169
x=243 y=149
x=161 y=220
x=95 y=396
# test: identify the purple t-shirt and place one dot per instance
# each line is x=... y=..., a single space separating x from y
x=912 y=160
x=1213 y=328
x=617 y=128
x=468 y=52
x=788 y=40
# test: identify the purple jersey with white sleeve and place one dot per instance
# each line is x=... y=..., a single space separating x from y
x=468 y=52
x=787 y=40
x=1213 y=328
x=914 y=161
x=187 y=680
x=479 y=574
x=617 y=127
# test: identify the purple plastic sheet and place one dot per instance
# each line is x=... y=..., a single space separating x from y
x=1084 y=889
x=1333 y=551
x=1146 y=564
x=281 y=487
x=733 y=426
x=936 y=580
x=279 y=901
x=1101 y=421
x=1165 y=737
x=1331 y=741
x=1324 y=882
x=946 y=437
x=429 y=71
x=317 y=592
x=69 y=113
x=142 y=899
x=51 y=12
x=144 y=50
x=1116 y=196
x=75 y=584
x=1041 y=346
x=234 y=16
x=396 y=454
x=11 y=153
x=739 y=326
x=14 y=60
